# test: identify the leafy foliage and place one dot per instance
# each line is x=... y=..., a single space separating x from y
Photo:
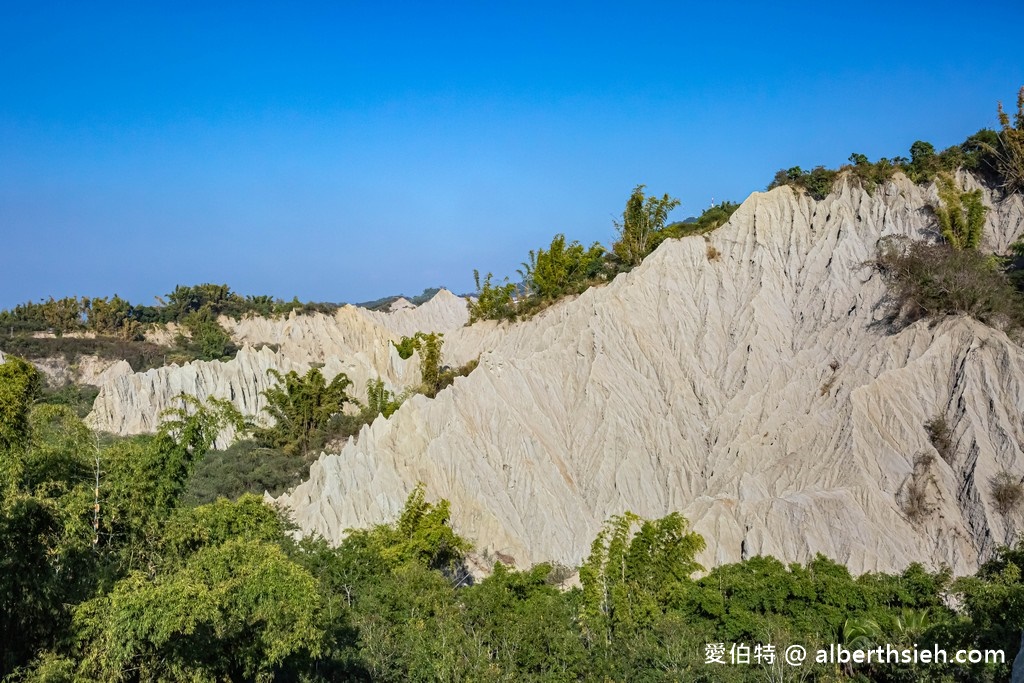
x=561 y=269
x=113 y=328
x=567 y=268
x=302 y=407
x=420 y=536
x=236 y=610
x=818 y=181
x=140 y=355
x=244 y=467
x=643 y=218
x=961 y=214
x=429 y=347
x=380 y=401
x=206 y=339
x=996 y=157
x=1009 y=152
x=493 y=302
x=634 y=565
x=20 y=384
x=222 y=592
x=935 y=280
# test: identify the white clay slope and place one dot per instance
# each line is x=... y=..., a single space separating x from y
x=704 y=383
x=353 y=340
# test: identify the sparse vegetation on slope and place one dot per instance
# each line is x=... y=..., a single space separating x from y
x=996 y=157
x=112 y=328
x=1009 y=148
x=433 y=376
x=928 y=281
x=565 y=269
x=303 y=408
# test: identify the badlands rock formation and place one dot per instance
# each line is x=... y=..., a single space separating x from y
x=354 y=341
x=749 y=381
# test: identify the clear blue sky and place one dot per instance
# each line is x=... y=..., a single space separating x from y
x=344 y=151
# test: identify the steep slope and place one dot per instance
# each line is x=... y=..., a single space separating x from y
x=353 y=340
x=748 y=381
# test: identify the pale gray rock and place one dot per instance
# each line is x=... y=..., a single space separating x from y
x=133 y=403
x=86 y=369
x=353 y=341
x=748 y=380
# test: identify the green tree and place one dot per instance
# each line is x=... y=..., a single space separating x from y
x=214 y=299
x=380 y=401
x=1010 y=152
x=63 y=315
x=239 y=610
x=634 y=566
x=961 y=214
x=421 y=535
x=20 y=385
x=923 y=162
x=113 y=316
x=143 y=479
x=493 y=302
x=642 y=219
x=46 y=550
x=429 y=347
x=302 y=407
x=526 y=625
x=562 y=268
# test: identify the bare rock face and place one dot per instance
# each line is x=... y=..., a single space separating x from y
x=354 y=341
x=132 y=404
x=748 y=380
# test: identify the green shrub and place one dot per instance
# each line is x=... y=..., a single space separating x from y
x=928 y=281
x=817 y=182
x=77 y=397
x=20 y=385
x=380 y=401
x=961 y=214
x=303 y=408
x=245 y=467
x=562 y=269
x=206 y=338
x=433 y=376
x=996 y=157
x=140 y=355
x=710 y=219
x=1007 y=492
x=493 y=302
x=642 y=219
x=1010 y=152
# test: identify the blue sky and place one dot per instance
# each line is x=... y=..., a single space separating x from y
x=345 y=151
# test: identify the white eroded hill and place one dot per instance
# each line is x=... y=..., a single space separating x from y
x=353 y=340
x=747 y=381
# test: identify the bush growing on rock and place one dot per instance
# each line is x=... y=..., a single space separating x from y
x=302 y=407
x=928 y=281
